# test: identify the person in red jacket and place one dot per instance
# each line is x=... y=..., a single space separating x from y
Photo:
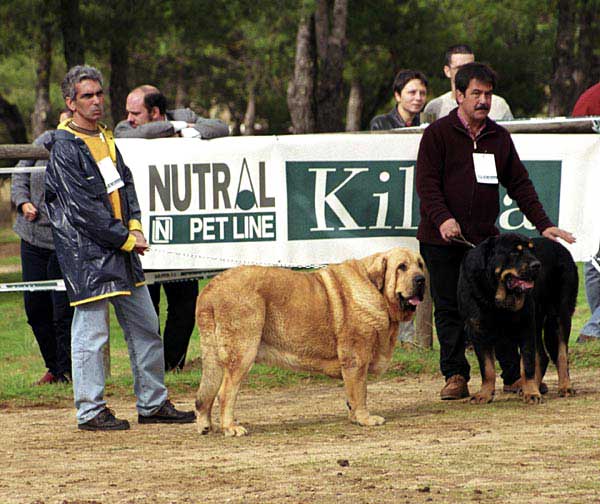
x=462 y=159
x=588 y=104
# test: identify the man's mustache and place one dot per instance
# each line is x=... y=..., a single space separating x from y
x=482 y=107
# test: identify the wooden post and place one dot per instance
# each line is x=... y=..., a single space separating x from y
x=424 y=318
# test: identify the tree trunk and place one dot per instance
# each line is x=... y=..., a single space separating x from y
x=119 y=65
x=331 y=49
x=355 y=106
x=250 y=115
x=180 y=92
x=122 y=16
x=39 y=117
x=563 y=91
x=589 y=40
x=300 y=92
x=70 y=24
x=12 y=118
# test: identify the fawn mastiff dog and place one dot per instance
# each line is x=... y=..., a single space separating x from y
x=341 y=320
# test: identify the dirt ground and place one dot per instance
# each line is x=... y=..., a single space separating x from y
x=302 y=449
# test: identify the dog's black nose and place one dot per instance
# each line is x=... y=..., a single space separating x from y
x=419 y=281
x=535 y=267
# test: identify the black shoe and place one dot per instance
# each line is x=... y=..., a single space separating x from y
x=63 y=378
x=168 y=414
x=105 y=420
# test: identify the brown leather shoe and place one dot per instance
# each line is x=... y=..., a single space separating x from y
x=456 y=388
x=47 y=379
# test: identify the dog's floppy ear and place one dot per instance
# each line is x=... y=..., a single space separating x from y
x=376 y=271
x=477 y=259
x=476 y=267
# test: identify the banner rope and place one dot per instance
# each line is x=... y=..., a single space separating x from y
x=237 y=262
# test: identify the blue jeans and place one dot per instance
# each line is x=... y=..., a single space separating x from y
x=592 y=290
x=139 y=322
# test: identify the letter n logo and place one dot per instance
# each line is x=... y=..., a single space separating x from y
x=162 y=229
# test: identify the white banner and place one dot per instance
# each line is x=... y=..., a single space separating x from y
x=314 y=199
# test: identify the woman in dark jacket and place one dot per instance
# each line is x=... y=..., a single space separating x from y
x=410 y=93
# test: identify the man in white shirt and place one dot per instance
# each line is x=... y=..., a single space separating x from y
x=457 y=56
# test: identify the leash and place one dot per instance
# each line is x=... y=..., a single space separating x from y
x=462 y=240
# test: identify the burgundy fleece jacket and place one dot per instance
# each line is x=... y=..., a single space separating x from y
x=447 y=186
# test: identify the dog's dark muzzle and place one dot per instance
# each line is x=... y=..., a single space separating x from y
x=524 y=281
x=411 y=303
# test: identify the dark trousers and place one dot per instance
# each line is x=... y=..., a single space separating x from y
x=443 y=263
x=48 y=312
x=181 y=309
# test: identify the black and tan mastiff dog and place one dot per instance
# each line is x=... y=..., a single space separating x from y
x=341 y=321
x=513 y=288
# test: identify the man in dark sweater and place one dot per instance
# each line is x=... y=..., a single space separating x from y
x=462 y=159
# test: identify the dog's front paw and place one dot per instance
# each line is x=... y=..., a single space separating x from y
x=535 y=398
x=203 y=428
x=367 y=420
x=481 y=398
x=566 y=391
x=235 y=430
x=371 y=420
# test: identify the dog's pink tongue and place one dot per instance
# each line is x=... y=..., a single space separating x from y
x=415 y=301
x=524 y=284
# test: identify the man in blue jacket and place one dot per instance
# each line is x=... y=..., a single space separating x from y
x=95 y=218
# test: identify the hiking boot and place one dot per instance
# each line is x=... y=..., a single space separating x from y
x=168 y=414
x=104 y=421
x=456 y=388
x=47 y=379
x=515 y=388
x=585 y=338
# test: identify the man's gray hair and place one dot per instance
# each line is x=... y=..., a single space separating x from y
x=77 y=74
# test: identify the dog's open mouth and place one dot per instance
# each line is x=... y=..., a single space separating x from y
x=411 y=303
x=518 y=284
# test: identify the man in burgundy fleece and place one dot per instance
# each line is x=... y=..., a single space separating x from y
x=462 y=158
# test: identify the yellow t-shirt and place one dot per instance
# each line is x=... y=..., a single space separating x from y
x=100 y=149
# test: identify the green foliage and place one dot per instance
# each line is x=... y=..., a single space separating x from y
x=213 y=55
